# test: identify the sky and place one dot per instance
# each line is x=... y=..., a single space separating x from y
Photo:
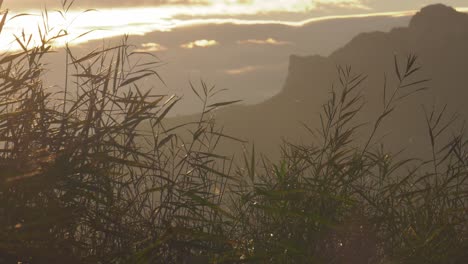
x=110 y=18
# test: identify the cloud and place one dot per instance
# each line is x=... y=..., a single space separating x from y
x=243 y=70
x=151 y=47
x=333 y=5
x=202 y=43
x=268 y=41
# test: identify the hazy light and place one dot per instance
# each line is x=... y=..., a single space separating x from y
x=268 y=41
x=202 y=43
x=82 y=27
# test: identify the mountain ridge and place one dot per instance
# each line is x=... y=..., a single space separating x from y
x=442 y=56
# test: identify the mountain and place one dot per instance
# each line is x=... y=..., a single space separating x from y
x=437 y=34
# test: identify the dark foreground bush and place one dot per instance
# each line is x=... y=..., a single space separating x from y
x=90 y=174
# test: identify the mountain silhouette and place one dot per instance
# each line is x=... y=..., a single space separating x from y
x=437 y=34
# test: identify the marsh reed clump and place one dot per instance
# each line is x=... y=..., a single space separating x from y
x=92 y=174
x=346 y=199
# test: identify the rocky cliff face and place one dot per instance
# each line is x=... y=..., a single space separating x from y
x=436 y=31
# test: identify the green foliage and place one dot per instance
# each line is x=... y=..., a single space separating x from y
x=92 y=174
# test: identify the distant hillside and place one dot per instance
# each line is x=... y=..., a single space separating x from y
x=437 y=34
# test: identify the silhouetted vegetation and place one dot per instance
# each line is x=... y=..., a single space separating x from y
x=91 y=174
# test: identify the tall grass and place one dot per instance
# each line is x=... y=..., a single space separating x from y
x=346 y=199
x=92 y=174
x=82 y=182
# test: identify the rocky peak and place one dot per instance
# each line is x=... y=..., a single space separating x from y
x=439 y=17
